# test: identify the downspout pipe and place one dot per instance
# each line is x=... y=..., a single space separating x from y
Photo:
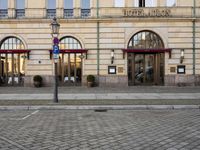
x=194 y=36
x=97 y=8
x=98 y=47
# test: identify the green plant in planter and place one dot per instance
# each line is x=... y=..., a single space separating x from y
x=37 y=81
x=90 y=80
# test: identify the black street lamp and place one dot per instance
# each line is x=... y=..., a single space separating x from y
x=55 y=26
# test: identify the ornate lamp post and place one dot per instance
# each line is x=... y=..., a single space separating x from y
x=55 y=26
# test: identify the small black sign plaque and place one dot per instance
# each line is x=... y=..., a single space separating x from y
x=111 y=69
x=181 y=69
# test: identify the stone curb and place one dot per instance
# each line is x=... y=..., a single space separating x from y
x=98 y=96
x=102 y=107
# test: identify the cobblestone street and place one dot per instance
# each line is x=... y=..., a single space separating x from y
x=90 y=130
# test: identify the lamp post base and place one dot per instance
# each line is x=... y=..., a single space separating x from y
x=55 y=96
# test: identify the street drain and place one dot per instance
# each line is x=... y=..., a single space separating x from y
x=100 y=110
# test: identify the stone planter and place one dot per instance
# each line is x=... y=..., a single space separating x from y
x=90 y=84
x=37 y=84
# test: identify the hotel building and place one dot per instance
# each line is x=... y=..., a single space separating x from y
x=121 y=42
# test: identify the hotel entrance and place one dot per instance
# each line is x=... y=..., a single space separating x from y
x=146 y=69
x=145 y=55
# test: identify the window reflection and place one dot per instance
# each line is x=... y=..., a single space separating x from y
x=12 y=43
x=146 y=40
x=171 y=3
x=119 y=3
x=68 y=9
x=70 y=64
x=69 y=43
x=12 y=64
x=85 y=8
x=145 y=3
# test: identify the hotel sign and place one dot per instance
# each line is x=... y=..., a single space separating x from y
x=147 y=12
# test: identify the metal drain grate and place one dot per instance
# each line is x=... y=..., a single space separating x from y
x=100 y=110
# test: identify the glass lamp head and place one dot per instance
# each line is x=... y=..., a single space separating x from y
x=55 y=26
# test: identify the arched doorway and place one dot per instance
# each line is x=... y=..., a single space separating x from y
x=12 y=61
x=70 y=64
x=145 y=59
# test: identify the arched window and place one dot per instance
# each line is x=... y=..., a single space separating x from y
x=12 y=61
x=71 y=54
x=145 y=40
x=70 y=43
x=12 y=43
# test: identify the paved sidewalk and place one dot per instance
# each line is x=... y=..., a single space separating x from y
x=103 y=96
x=99 y=90
x=83 y=96
x=98 y=93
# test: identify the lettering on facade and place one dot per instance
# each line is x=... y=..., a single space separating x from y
x=147 y=12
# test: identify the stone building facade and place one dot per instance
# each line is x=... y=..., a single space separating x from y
x=121 y=42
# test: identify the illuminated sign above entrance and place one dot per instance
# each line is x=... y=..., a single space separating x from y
x=147 y=12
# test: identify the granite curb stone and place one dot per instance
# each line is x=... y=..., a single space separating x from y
x=102 y=107
x=98 y=96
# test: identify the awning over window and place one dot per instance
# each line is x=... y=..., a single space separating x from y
x=160 y=50
x=10 y=51
x=71 y=51
x=15 y=51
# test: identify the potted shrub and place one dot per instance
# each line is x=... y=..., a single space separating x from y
x=37 y=81
x=90 y=80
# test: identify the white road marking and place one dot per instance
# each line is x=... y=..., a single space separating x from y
x=34 y=112
x=30 y=115
x=26 y=117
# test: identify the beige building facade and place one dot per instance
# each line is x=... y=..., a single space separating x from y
x=121 y=42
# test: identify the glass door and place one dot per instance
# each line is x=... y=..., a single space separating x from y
x=149 y=68
x=145 y=69
x=12 y=68
x=70 y=72
x=139 y=69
